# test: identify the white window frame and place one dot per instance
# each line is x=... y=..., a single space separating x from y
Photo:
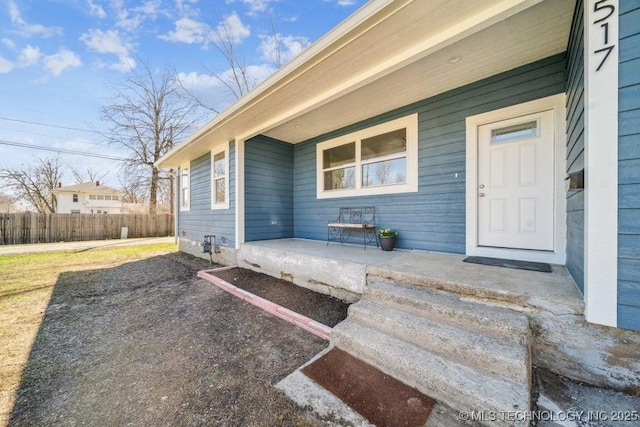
x=410 y=123
x=184 y=207
x=217 y=206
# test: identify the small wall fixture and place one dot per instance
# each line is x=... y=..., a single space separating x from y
x=576 y=180
x=454 y=59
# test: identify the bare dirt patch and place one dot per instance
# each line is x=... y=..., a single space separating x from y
x=321 y=308
x=147 y=343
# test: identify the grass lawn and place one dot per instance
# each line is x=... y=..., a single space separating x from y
x=26 y=285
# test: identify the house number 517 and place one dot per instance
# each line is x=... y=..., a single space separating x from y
x=603 y=10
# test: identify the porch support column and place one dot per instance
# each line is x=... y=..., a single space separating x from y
x=601 y=161
x=239 y=163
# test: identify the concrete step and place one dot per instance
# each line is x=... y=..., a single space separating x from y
x=458 y=386
x=497 y=357
x=489 y=320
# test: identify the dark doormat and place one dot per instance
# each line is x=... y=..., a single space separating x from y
x=382 y=400
x=509 y=263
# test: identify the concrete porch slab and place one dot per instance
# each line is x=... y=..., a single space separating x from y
x=553 y=291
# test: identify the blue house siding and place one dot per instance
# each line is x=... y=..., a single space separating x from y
x=434 y=217
x=629 y=166
x=200 y=220
x=268 y=189
x=575 y=146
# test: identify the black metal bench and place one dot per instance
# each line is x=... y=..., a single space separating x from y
x=354 y=219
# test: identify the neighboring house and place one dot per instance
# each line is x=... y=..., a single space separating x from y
x=468 y=125
x=88 y=198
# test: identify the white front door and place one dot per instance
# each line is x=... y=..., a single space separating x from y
x=515 y=187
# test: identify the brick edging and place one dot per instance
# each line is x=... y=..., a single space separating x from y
x=304 y=322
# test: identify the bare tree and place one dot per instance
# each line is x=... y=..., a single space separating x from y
x=134 y=184
x=88 y=175
x=34 y=183
x=147 y=115
x=236 y=79
x=7 y=203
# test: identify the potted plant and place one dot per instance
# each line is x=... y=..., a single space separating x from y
x=387 y=239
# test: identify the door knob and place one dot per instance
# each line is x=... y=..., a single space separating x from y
x=481 y=194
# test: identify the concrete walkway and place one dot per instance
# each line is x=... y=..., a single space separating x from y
x=80 y=246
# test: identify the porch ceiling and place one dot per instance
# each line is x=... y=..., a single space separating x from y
x=387 y=55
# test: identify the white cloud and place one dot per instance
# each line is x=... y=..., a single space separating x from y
x=184 y=7
x=131 y=19
x=60 y=61
x=198 y=82
x=289 y=46
x=96 y=10
x=9 y=43
x=127 y=22
x=214 y=92
x=29 y=56
x=254 y=6
x=5 y=65
x=29 y=30
x=149 y=8
x=346 y=2
x=105 y=42
x=188 y=31
x=231 y=28
x=110 y=42
x=126 y=64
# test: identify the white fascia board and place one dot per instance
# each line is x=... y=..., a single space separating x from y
x=601 y=163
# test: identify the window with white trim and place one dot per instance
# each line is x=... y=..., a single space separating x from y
x=185 y=203
x=382 y=159
x=220 y=178
x=75 y=198
x=92 y=197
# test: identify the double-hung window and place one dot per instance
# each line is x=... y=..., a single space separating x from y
x=220 y=178
x=379 y=160
x=75 y=198
x=185 y=203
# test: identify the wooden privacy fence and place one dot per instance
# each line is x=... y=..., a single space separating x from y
x=21 y=228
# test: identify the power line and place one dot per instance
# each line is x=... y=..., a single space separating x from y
x=62 y=150
x=48 y=125
x=30 y=132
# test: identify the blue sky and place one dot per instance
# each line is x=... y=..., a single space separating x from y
x=59 y=59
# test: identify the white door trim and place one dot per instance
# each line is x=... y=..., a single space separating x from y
x=556 y=103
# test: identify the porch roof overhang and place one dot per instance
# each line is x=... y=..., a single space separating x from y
x=388 y=54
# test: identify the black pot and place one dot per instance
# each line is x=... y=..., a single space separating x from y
x=387 y=242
